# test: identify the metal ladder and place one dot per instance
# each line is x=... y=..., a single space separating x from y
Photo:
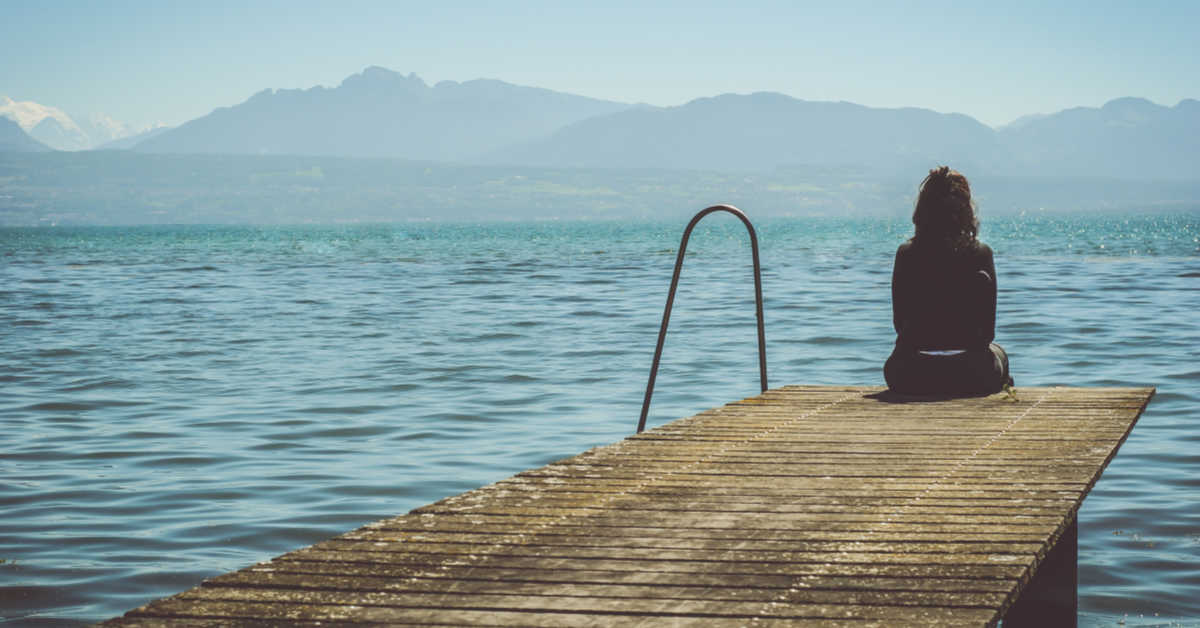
x=758 y=304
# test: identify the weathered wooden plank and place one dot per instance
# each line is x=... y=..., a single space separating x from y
x=733 y=502
x=702 y=555
x=947 y=496
x=853 y=482
x=448 y=526
x=333 y=575
x=593 y=598
x=432 y=564
x=812 y=488
x=278 y=613
x=792 y=604
x=760 y=542
x=804 y=505
x=707 y=524
x=782 y=514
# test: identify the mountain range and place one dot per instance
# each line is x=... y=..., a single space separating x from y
x=763 y=131
x=382 y=113
x=1129 y=138
x=56 y=129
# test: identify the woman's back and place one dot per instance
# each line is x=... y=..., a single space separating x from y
x=940 y=299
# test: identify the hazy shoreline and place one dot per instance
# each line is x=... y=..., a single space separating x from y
x=126 y=188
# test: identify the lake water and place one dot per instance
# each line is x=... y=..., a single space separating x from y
x=177 y=402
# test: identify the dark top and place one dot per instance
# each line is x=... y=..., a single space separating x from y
x=940 y=300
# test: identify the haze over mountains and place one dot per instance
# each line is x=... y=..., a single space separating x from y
x=381 y=113
x=383 y=146
x=1127 y=138
x=763 y=131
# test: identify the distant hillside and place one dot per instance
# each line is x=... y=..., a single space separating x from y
x=1130 y=138
x=763 y=131
x=380 y=113
x=13 y=139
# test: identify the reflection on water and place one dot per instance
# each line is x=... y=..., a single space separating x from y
x=181 y=401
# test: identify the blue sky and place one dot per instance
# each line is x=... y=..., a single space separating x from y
x=145 y=62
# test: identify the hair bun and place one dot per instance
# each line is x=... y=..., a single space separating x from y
x=941 y=172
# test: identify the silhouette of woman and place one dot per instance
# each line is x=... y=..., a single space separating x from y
x=944 y=298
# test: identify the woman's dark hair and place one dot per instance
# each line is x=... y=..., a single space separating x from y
x=944 y=213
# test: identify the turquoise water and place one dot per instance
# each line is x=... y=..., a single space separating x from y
x=176 y=402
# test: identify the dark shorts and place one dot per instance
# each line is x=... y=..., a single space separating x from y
x=975 y=372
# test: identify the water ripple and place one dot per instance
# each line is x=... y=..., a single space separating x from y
x=221 y=395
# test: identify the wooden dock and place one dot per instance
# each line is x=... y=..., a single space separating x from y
x=804 y=505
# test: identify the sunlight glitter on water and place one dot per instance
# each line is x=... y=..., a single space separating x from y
x=182 y=401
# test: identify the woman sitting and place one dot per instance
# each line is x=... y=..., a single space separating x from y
x=944 y=299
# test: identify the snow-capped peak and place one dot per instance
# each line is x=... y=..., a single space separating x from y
x=29 y=114
x=53 y=127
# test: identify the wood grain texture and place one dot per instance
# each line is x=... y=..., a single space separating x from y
x=801 y=506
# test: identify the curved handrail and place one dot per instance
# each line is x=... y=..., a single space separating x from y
x=758 y=302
